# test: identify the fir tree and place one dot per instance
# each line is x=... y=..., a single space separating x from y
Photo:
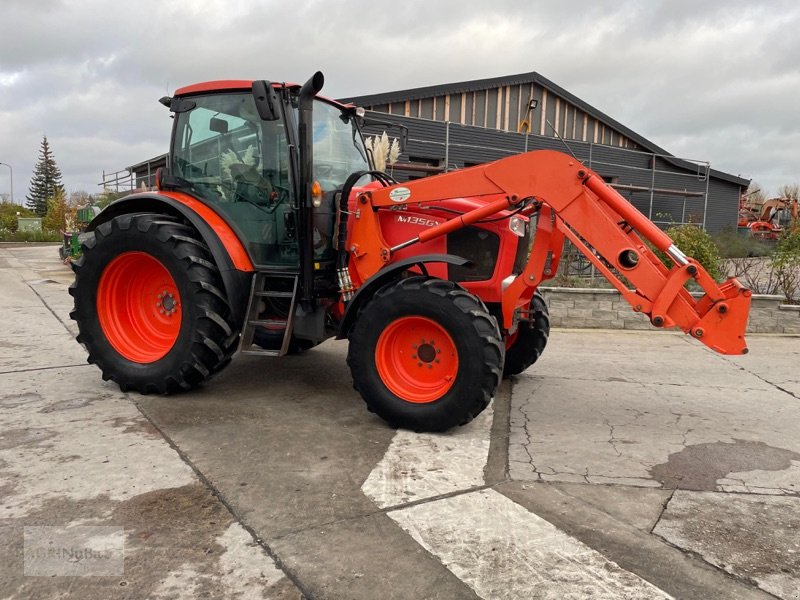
x=46 y=181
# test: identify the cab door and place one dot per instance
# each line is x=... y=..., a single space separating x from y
x=240 y=166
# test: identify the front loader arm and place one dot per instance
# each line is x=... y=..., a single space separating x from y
x=574 y=202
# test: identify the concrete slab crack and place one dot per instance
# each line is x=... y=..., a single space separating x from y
x=228 y=506
x=663 y=510
x=612 y=440
x=746 y=370
x=47 y=306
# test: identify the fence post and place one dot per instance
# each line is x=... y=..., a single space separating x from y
x=652 y=185
x=705 y=198
x=446 y=146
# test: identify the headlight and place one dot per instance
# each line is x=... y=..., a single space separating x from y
x=518 y=225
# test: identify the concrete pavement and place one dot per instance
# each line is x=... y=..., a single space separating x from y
x=622 y=465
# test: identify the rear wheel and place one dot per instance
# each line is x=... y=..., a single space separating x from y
x=150 y=305
x=526 y=346
x=425 y=354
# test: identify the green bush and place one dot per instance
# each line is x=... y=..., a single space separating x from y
x=698 y=244
x=789 y=244
x=732 y=244
x=7 y=235
x=786 y=265
x=8 y=215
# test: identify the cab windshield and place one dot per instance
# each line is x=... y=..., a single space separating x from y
x=338 y=147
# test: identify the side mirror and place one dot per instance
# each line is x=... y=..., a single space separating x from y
x=403 y=137
x=218 y=125
x=266 y=101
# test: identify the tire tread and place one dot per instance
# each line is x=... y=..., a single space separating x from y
x=485 y=326
x=213 y=339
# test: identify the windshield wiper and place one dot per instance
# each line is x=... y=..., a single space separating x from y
x=355 y=143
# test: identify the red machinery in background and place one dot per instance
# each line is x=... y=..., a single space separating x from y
x=771 y=219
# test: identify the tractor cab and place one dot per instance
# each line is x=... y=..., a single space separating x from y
x=248 y=168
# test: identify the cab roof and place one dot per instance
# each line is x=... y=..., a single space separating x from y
x=238 y=85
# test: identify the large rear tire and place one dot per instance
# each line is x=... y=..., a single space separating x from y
x=150 y=304
x=528 y=343
x=425 y=354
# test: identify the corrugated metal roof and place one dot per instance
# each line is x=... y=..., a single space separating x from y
x=142 y=166
x=441 y=90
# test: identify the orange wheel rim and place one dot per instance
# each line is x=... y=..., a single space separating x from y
x=139 y=307
x=416 y=359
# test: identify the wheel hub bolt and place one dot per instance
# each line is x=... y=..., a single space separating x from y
x=426 y=353
x=166 y=303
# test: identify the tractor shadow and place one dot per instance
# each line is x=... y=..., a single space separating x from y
x=313 y=386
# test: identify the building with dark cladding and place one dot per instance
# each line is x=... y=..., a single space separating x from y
x=463 y=124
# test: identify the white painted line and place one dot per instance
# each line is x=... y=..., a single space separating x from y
x=425 y=465
x=497 y=547
x=502 y=550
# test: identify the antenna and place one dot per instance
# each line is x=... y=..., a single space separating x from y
x=563 y=141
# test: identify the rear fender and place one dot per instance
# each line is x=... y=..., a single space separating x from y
x=386 y=275
x=228 y=251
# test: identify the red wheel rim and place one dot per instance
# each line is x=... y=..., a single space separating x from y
x=416 y=359
x=138 y=306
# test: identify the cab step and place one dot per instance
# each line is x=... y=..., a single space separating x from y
x=269 y=285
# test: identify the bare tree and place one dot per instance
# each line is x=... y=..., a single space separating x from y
x=755 y=272
x=790 y=191
x=754 y=196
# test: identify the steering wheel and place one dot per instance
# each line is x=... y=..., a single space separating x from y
x=249 y=175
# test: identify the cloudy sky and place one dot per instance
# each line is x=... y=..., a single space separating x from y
x=713 y=80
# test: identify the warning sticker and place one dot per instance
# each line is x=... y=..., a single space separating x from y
x=400 y=194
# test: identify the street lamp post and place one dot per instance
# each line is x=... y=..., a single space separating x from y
x=11 y=171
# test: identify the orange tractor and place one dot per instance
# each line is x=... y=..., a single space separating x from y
x=270 y=232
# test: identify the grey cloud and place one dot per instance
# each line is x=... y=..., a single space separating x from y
x=713 y=80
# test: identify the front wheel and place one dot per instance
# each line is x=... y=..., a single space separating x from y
x=425 y=354
x=526 y=346
x=150 y=305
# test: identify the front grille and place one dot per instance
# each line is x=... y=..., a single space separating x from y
x=477 y=245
